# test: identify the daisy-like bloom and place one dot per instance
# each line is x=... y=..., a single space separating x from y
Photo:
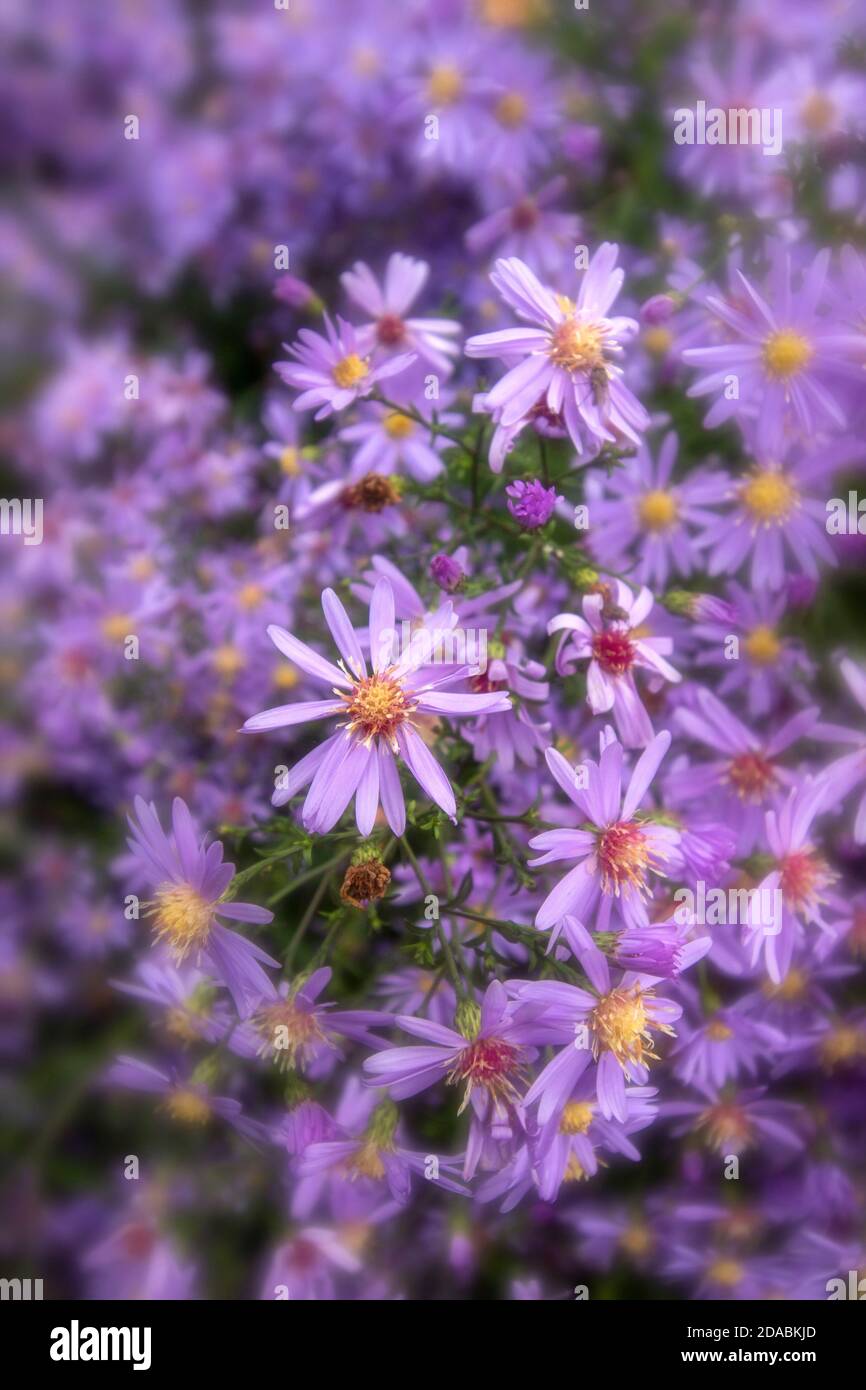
x=187 y=1100
x=367 y=1151
x=378 y=727
x=608 y=635
x=770 y=663
x=775 y=513
x=191 y=895
x=730 y=1122
x=780 y=350
x=613 y=1027
x=487 y=1058
x=388 y=304
x=619 y=849
x=801 y=873
x=388 y=441
x=566 y=366
x=334 y=371
x=745 y=775
x=297 y=1032
x=641 y=517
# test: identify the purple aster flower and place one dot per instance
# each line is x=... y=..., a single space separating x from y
x=335 y=371
x=606 y=635
x=770 y=664
x=388 y=304
x=643 y=522
x=487 y=1059
x=531 y=503
x=295 y=1031
x=801 y=873
x=379 y=707
x=775 y=513
x=566 y=365
x=617 y=852
x=192 y=885
x=612 y=1028
x=850 y=770
x=745 y=776
x=186 y=1099
x=780 y=350
x=528 y=228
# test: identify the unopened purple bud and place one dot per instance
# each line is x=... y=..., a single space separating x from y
x=446 y=573
x=658 y=309
x=531 y=503
x=294 y=292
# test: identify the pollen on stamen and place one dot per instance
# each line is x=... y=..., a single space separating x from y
x=576 y=346
x=622 y=1025
x=349 y=371
x=751 y=776
x=182 y=918
x=614 y=651
x=491 y=1063
x=377 y=707
x=769 y=497
x=625 y=857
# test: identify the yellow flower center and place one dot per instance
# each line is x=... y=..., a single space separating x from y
x=445 y=84
x=769 y=497
x=367 y=1162
x=116 y=627
x=349 y=370
x=636 y=1240
x=142 y=567
x=397 y=426
x=290 y=461
x=622 y=1026
x=789 y=990
x=658 y=341
x=251 y=596
x=576 y=346
x=817 y=113
x=657 y=510
x=786 y=353
x=181 y=917
x=286 y=1031
x=725 y=1125
x=512 y=14
x=763 y=646
x=576 y=1117
x=377 y=707
x=227 y=660
x=717 y=1031
x=512 y=109
x=285 y=677
x=188 y=1107
x=726 y=1272
x=842 y=1044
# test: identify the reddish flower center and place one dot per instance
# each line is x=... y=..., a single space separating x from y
x=624 y=857
x=752 y=776
x=524 y=215
x=802 y=874
x=390 y=330
x=372 y=493
x=377 y=706
x=726 y=1125
x=488 y=1062
x=614 y=652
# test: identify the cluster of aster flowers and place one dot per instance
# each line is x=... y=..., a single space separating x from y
x=435 y=527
